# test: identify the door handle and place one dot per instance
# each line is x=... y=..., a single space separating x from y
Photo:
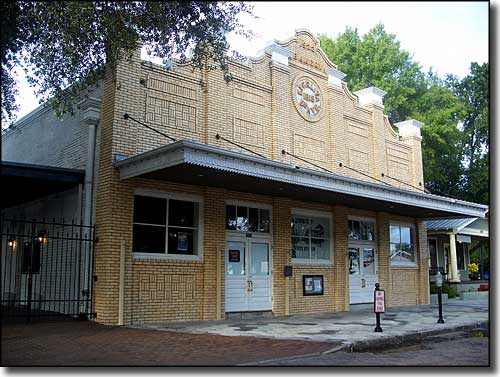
x=250 y=286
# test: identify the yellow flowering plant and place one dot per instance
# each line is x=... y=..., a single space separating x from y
x=473 y=268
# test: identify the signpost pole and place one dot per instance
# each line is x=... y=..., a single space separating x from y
x=439 y=282
x=378 y=297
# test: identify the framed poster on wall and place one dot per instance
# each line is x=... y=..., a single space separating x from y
x=312 y=285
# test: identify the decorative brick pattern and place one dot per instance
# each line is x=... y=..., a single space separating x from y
x=357 y=129
x=398 y=162
x=247 y=132
x=309 y=147
x=163 y=112
x=248 y=95
x=155 y=287
x=359 y=160
x=171 y=88
x=404 y=287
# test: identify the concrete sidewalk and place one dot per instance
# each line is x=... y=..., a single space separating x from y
x=351 y=331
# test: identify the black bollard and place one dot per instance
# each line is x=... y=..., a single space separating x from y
x=440 y=299
x=378 y=311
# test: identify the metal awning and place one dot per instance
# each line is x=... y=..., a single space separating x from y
x=469 y=226
x=200 y=164
x=22 y=183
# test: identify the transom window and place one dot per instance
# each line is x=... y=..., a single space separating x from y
x=311 y=238
x=402 y=245
x=362 y=230
x=166 y=225
x=247 y=219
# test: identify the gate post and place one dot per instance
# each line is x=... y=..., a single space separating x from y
x=30 y=271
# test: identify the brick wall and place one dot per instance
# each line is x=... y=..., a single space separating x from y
x=44 y=139
x=255 y=109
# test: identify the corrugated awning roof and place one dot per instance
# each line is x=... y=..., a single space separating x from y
x=22 y=183
x=446 y=224
x=195 y=163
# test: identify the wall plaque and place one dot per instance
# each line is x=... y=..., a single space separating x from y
x=312 y=285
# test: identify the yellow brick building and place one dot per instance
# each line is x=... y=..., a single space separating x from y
x=280 y=192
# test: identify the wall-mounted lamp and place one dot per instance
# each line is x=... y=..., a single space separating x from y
x=42 y=237
x=11 y=242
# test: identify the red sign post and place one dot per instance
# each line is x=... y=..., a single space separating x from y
x=378 y=305
x=379 y=301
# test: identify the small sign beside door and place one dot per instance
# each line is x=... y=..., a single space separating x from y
x=234 y=256
x=312 y=285
x=379 y=302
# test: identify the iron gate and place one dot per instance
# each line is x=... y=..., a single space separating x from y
x=46 y=269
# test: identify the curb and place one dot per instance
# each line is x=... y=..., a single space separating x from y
x=406 y=339
x=377 y=344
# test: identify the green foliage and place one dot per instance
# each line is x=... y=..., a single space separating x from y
x=446 y=289
x=440 y=110
x=473 y=92
x=451 y=291
x=475 y=255
x=377 y=59
x=71 y=42
x=455 y=160
x=433 y=288
x=11 y=36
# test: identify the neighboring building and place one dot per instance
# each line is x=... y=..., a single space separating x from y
x=451 y=241
x=48 y=172
x=282 y=192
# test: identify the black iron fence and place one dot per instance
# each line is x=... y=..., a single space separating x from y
x=46 y=269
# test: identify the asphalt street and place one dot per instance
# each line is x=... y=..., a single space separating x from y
x=470 y=349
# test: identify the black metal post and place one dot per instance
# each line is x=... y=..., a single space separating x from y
x=440 y=302
x=481 y=261
x=30 y=271
x=377 y=315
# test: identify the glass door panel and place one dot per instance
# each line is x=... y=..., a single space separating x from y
x=354 y=267
x=259 y=259
x=235 y=258
x=368 y=261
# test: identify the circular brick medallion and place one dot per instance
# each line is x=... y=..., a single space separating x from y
x=308 y=98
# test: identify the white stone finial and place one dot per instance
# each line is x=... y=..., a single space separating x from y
x=370 y=96
x=335 y=77
x=409 y=127
x=278 y=53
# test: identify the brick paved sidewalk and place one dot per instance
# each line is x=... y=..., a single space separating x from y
x=75 y=343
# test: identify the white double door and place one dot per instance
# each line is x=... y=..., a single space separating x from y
x=248 y=274
x=362 y=267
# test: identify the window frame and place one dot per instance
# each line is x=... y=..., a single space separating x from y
x=365 y=219
x=415 y=246
x=173 y=196
x=241 y=203
x=313 y=213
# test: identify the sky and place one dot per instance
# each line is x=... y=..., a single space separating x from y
x=446 y=36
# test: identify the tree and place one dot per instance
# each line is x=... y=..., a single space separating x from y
x=473 y=92
x=377 y=59
x=64 y=46
x=441 y=111
x=11 y=45
x=455 y=160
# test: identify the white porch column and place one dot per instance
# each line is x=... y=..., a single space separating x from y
x=453 y=260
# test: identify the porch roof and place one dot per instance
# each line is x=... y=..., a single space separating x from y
x=200 y=164
x=468 y=226
x=24 y=182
